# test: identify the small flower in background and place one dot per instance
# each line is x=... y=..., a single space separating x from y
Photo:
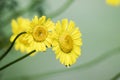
x=39 y=33
x=67 y=42
x=113 y=2
x=21 y=25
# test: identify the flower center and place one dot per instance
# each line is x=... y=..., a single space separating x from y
x=39 y=34
x=66 y=43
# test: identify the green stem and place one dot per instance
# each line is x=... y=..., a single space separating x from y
x=15 y=61
x=4 y=54
x=61 y=9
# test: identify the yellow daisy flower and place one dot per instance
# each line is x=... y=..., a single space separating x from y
x=67 y=42
x=19 y=26
x=40 y=33
x=113 y=2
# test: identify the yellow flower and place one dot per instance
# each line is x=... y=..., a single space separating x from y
x=113 y=2
x=19 y=26
x=39 y=33
x=67 y=42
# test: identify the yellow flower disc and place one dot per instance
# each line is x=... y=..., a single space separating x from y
x=66 y=43
x=39 y=34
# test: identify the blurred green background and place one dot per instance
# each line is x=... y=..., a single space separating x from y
x=100 y=27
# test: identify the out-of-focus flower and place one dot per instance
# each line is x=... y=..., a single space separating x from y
x=21 y=25
x=67 y=42
x=39 y=33
x=113 y=2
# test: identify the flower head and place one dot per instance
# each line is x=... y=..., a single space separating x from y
x=19 y=26
x=113 y=2
x=67 y=42
x=39 y=33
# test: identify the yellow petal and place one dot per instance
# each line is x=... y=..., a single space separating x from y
x=76 y=32
x=42 y=19
x=58 y=55
x=77 y=50
x=47 y=44
x=71 y=26
x=50 y=25
x=14 y=26
x=43 y=46
x=62 y=58
x=78 y=41
x=58 y=27
x=64 y=24
x=35 y=20
x=49 y=40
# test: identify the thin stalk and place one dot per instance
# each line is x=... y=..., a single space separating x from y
x=17 y=60
x=4 y=54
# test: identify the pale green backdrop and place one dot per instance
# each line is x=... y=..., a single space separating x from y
x=100 y=60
